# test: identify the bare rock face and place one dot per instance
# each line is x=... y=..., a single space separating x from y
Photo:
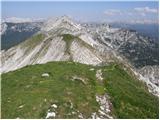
x=83 y=54
x=19 y=56
x=63 y=24
x=3 y=28
x=150 y=72
x=53 y=43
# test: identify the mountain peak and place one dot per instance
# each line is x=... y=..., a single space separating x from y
x=65 y=18
x=61 y=22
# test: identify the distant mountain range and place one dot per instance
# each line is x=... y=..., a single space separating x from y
x=21 y=20
x=14 y=33
x=149 y=30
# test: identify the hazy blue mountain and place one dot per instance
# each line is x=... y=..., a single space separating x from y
x=17 y=32
x=149 y=30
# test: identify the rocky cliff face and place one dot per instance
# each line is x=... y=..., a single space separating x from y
x=151 y=73
x=3 y=28
x=62 y=39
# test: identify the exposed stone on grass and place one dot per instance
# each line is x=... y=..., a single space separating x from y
x=80 y=116
x=91 y=69
x=105 y=106
x=71 y=105
x=99 y=75
x=21 y=106
x=45 y=75
x=83 y=80
x=73 y=112
x=27 y=86
x=51 y=115
x=94 y=115
x=54 y=106
x=45 y=100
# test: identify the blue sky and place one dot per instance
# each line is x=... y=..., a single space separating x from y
x=84 y=11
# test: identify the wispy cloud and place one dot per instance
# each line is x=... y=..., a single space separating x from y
x=143 y=11
x=112 y=12
x=146 y=10
x=142 y=21
x=138 y=10
x=134 y=15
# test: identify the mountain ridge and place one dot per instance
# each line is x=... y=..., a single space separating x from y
x=62 y=39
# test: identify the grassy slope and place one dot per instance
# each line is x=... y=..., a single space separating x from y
x=26 y=87
x=32 y=42
x=130 y=97
x=68 y=38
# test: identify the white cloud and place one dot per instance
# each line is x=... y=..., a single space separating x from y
x=112 y=12
x=145 y=10
x=17 y=20
x=142 y=21
x=21 y=20
x=136 y=15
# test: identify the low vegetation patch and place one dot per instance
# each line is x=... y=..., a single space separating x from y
x=27 y=94
x=68 y=38
x=130 y=97
x=34 y=40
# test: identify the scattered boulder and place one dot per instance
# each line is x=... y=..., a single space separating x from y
x=83 y=80
x=51 y=115
x=99 y=75
x=80 y=116
x=45 y=100
x=21 y=106
x=94 y=115
x=71 y=104
x=91 y=69
x=45 y=75
x=73 y=112
x=54 y=105
x=105 y=106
